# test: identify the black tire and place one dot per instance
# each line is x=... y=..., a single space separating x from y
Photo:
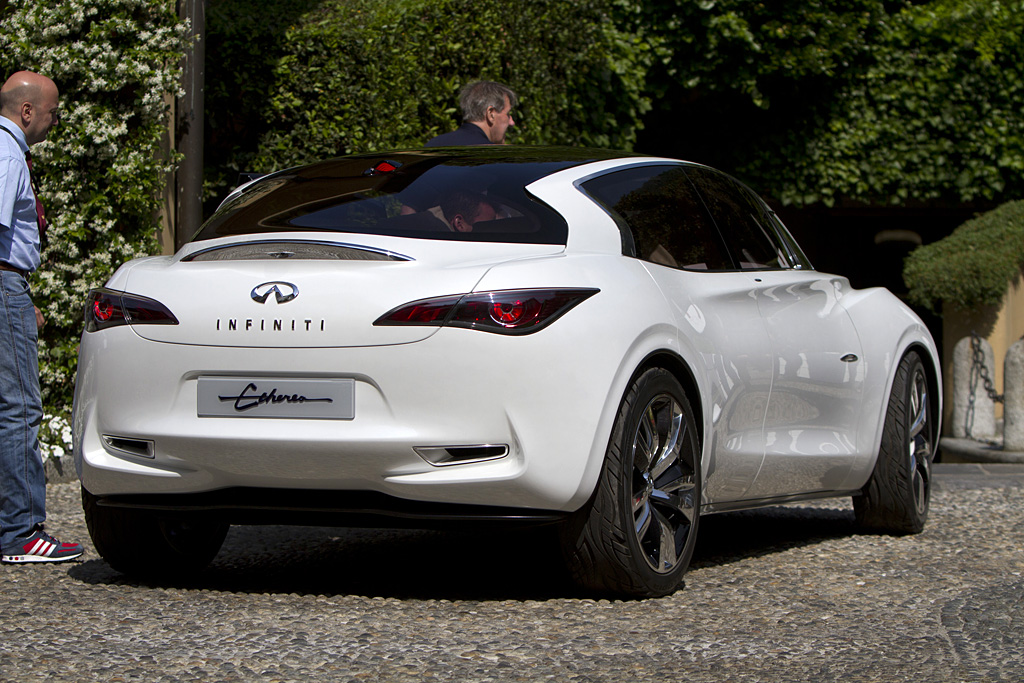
x=148 y=545
x=636 y=535
x=895 y=498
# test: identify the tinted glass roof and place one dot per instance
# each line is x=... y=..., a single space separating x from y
x=457 y=193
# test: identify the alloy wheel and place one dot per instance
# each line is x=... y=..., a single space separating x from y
x=664 y=483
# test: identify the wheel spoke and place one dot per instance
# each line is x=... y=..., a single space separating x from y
x=668 y=500
x=669 y=453
x=646 y=442
x=683 y=484
x=643 y=521
x=666 y=557
x=677 y=497
x=640 y=499
x=921 y=478
x=918 y=407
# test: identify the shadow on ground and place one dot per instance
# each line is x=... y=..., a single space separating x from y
x=480 y=565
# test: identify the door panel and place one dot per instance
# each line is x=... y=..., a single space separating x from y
x=718 y=314
x=817 y=387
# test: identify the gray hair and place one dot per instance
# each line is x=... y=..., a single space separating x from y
x=475 y=98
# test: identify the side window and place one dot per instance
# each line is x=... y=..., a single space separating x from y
x=741 y=218
x=664 y=217
x=796 y=255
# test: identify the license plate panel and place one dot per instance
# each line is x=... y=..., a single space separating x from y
x=277 y=398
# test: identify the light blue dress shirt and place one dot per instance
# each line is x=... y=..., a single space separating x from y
x=19 y=229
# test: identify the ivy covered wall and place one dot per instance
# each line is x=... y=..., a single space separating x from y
x=348 y=76
x=102 y=169
x=877 y=101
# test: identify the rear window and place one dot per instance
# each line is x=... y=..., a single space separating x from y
x=471 y=194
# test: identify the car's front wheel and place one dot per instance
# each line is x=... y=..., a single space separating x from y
x=895 y=498
x=637 y=533
x=147 y=545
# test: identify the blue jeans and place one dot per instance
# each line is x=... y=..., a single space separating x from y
x=22 y=481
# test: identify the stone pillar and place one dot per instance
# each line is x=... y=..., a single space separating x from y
x=972 y=418
x=1013 y=406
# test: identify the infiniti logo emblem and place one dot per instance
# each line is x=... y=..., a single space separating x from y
x=283 y=292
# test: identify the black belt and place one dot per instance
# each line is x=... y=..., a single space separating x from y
x=19 y=271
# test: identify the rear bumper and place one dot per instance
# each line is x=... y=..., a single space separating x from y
x=328 y=508
x=137 y=431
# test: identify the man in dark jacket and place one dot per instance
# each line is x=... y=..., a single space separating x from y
x=486 y=115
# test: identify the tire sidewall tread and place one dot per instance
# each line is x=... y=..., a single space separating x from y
x=603 y=553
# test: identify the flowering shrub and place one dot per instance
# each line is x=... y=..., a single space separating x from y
x=55 y=436
x=103 y=168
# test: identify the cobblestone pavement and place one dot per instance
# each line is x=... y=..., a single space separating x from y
x=786 y=594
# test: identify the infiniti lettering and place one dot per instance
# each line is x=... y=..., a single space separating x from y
x=271 y=325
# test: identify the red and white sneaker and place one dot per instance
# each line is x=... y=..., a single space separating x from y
x=41 y=547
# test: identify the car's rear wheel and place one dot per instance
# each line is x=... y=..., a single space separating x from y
x=895 y=498
x=636 y=535
x=148 y=545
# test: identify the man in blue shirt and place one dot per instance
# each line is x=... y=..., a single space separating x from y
x=486 y=114
x=28 y=110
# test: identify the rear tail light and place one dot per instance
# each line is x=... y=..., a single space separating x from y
x=509 y=311
x=107 y=308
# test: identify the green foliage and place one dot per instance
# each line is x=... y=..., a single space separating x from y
x=936 y=115
x=880 y=101
x=361 y=75
x=242 y=52
x=102 y=169
x=871 y=100
x=751 y=48
x=973 y=266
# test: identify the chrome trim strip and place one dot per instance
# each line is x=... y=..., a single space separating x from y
x=358 y=247
x=443 y=456
x=139 y=448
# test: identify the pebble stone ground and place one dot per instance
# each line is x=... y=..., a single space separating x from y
x=790 y=593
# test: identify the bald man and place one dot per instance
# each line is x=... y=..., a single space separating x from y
x=28 y=110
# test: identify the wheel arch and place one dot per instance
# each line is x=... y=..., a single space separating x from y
x=888 y=331
x=657 y=356
x=859 y=477
x=681 y=370
x=934 y=377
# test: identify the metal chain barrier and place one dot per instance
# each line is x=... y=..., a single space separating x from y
x=979 y=372
x=978 y=362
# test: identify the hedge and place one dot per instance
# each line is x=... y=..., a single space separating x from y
x=973 y=266
x=879 y=101
x=351 y=76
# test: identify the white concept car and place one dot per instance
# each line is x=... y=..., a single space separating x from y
x=613 y=345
